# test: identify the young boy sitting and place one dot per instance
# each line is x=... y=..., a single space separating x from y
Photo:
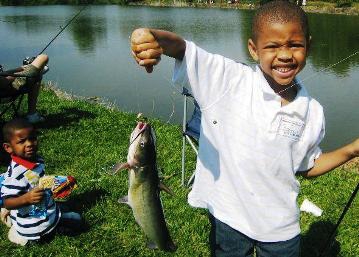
x=259 y=129
x=21 y=193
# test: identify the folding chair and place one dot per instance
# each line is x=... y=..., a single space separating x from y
x=190 y=131
x=12 y=100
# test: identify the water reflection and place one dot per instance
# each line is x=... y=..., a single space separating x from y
x=30 y=23
x=334 y=38
x=88 y=33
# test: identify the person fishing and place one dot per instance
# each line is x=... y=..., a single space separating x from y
x=26 y=79
x=259 y=130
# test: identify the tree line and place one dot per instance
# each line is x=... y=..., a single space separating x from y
x=339 y=3
x=52 y=2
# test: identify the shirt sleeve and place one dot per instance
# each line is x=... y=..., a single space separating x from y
x=12 y=187
x=207 y=75
x=313 y=153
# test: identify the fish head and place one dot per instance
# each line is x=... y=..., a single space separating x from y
x=142 y=150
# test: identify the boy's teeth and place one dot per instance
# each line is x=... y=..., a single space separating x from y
x=283 y=69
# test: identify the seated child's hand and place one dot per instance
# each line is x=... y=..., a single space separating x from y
x=35 y=195
x=145 y=48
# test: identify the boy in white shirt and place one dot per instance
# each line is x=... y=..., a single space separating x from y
x=259 y=129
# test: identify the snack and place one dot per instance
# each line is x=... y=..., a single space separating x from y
x=60 y=186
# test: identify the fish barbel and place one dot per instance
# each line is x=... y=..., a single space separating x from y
x=144 y=187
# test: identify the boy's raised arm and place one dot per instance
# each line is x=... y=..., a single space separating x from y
x=148 y=45
x=331 y=160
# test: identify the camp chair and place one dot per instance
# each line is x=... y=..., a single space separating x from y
x=190 y=131
x=12 y=100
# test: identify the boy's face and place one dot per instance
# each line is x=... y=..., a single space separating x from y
x=23 y=144
x=281 y=49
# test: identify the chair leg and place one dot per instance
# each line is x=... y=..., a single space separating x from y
x=16 y=108
x=184 y=138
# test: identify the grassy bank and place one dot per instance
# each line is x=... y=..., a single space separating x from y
x=83 y=139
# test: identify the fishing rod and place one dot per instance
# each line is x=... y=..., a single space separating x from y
x=62 y=29
x=346 y=208
x=29 y=60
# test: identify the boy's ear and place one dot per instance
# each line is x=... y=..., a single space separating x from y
x=7 y=148
x=252 y=49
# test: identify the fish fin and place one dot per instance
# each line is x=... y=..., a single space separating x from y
x=124 y=200
x=119 y=166
x=152 y=245
x=163 y=187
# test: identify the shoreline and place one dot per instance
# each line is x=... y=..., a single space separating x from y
x=312 y=7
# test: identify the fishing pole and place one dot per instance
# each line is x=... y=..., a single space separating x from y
x=346 y=208
x=29 y=60
x=62 y=29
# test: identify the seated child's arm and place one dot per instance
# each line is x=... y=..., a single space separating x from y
x=149 y=44
x=31 y=197
x=331 y=160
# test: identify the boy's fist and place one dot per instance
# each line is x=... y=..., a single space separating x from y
x=35 y=195
x=145 y=48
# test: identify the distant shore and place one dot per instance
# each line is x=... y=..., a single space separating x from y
x=311 y=7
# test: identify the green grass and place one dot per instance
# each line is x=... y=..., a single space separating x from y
x=83 y=139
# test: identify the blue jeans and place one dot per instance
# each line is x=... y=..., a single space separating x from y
x=228 y=242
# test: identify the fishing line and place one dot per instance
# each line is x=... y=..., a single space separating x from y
x=283 y=90
x=316 y=74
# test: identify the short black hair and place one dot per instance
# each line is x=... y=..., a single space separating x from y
x=279 y=11
x=12 y=125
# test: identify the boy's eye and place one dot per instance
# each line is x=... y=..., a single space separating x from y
x=21 y=141
x=270 y=47
x=296 y=45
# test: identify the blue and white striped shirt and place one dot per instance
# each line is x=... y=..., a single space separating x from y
x=21 y=177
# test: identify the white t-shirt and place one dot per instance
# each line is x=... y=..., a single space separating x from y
x=250 y=146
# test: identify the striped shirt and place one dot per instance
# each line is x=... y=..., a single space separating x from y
x=21 y=177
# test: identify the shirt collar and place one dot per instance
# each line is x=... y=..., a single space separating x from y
x=27 y=164
x=299 y=106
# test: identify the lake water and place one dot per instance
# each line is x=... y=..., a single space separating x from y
x=92 y=56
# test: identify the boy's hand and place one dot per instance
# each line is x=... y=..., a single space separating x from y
x=35 y=195
x=145 y=48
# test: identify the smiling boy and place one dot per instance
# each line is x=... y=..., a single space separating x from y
x=259 y=129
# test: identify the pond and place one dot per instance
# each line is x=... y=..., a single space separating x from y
x=92 y=56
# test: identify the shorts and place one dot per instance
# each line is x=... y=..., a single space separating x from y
x=30 y=73
x=228 y=242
